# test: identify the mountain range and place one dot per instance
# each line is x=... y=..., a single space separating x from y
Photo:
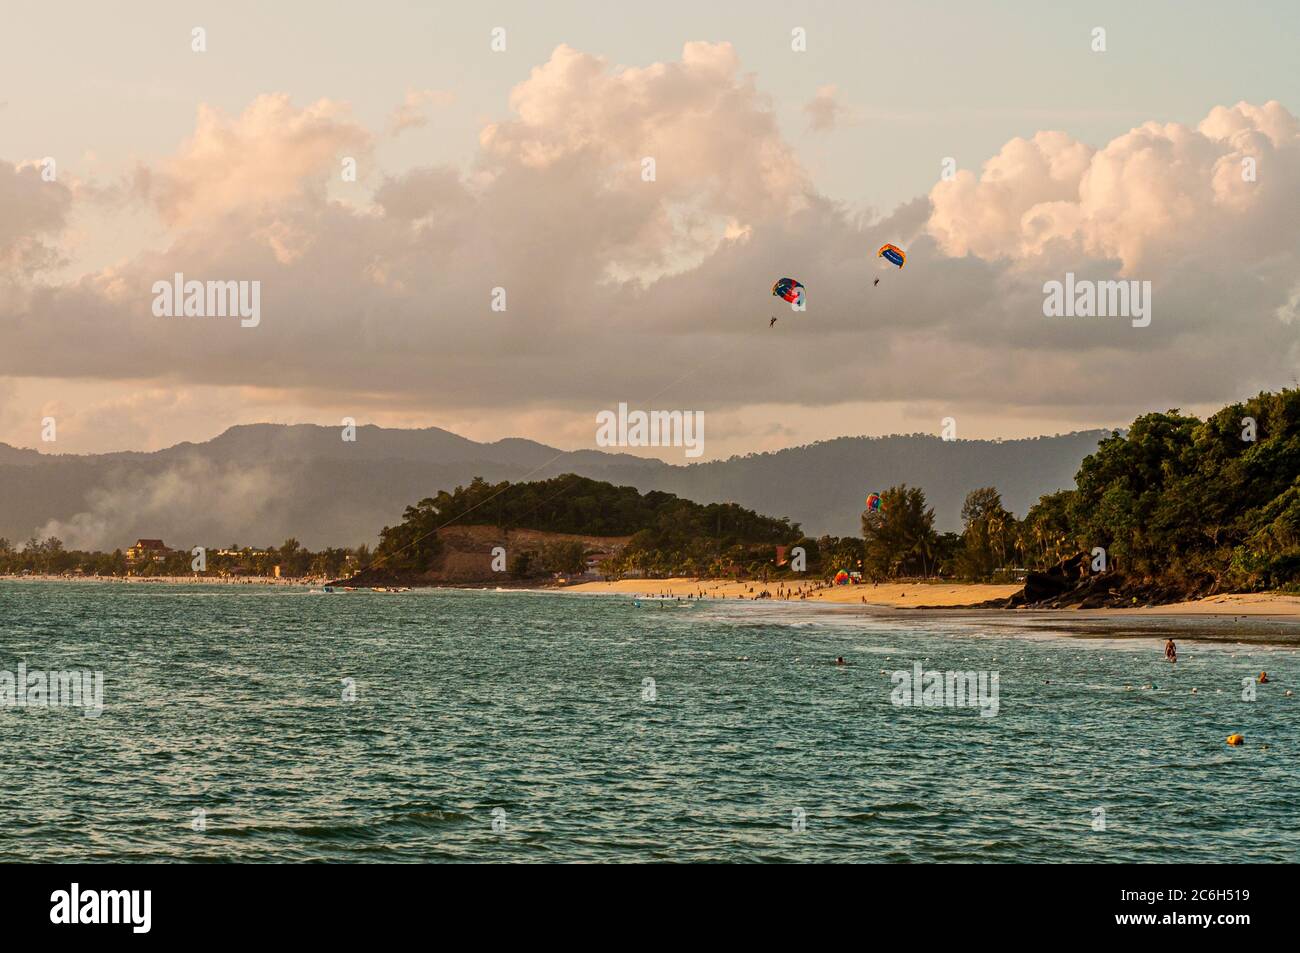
x=260 y=484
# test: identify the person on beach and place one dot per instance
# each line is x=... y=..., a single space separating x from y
x=1171 y=650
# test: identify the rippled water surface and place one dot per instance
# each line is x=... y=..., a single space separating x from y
x=228 y=700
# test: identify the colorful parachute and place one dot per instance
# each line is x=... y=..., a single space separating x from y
x=874 y=503
x=788 y=290
x=841 y=578
x=892 y=254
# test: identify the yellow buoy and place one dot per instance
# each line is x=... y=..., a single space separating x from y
x=1236 y=740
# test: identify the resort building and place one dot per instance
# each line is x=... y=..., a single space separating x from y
x=147 y=550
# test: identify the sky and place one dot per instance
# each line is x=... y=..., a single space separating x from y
x=997 y=143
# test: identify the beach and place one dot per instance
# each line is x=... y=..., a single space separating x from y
x=886 y=594
x=930 y=595
x=192 y=580
x=893 y=595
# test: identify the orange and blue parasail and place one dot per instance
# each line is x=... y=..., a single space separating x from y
x=892 y=254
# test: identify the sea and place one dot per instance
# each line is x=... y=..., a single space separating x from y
x=277 y=724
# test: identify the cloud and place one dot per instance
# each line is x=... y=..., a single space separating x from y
x=1151 y=197
x=556 y=211
x=269 y=155
x=582 y=131
x=35 y=212
x=412 y=113
x=824 y=109
x=622 y=286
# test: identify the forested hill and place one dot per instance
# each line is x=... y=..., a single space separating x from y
x=1197 y=505
x=577 y=505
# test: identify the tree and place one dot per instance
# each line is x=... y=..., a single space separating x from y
x=567 y=557
x=521 y=563
x=899 y=537
x=990 y=534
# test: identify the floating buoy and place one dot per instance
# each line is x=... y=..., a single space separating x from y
x=1193 y=691
x=1289 y=693
x=1236 y=740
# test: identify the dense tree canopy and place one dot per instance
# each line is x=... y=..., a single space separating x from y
x=668 y=533
x=1206 y=505
x=900 y=537
x=1191 y=505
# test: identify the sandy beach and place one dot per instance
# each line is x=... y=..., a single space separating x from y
x=168 y=580
x=886 y=594
x=909 y=595
x=1239 y=603
x=931 y=594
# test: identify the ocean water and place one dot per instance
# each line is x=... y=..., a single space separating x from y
x=512 y=726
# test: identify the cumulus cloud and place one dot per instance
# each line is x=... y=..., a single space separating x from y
x=626 y=286
x=986 y=215
x=557 y=211
x=586 y=129
x=270 y=154
x=1156 y=194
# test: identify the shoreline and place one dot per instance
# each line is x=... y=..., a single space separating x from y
x=927 y=595
x=936 y=596
x=912 y=597
x=170 y=580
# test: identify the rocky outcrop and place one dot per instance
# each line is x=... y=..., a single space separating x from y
x=1072 y=584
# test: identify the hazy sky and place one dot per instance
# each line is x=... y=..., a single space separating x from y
x=522 y=169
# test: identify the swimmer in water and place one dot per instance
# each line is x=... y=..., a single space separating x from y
x=840 y=661
x=1171 y=650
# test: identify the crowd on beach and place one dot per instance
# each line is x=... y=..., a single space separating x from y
x=133 y=580
x=802 y=591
